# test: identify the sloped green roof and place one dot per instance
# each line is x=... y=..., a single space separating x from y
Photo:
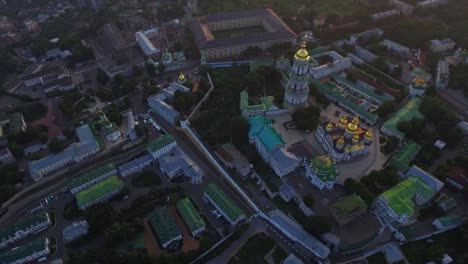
x=190 y=215
x=257 y=123
x=449 y=220
x=270 y=138
x=324 y=168
x=90 y=175
x=400 y=197
x=224 y=202
x=160 y=142
x=163 y=224
x=368 y=92
x=22 y=224
x=409 y=112
x=94 y=192
x=329 y=90
x=10 y=256
x=349 y=204
x=402 y=159
x=268 y=101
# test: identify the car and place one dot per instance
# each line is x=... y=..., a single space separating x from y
x=219 y=216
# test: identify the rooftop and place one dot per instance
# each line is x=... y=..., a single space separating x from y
x=400 y=198
x=135 y=163
x=23 y=251
x=23 y=224
x=160 y=142
x=345 y=207
x=90 y=175
x=324 y=168
x=163 y=225
x=224 y=202
x=402 y=159
x=205 y=39
x=98 y=190
x=449 y=220
x=426 y=177
x=190 y=215
x=407 y=113
x=257 y=123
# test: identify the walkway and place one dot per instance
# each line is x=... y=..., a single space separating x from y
x=256 y=226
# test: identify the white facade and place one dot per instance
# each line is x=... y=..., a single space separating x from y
x=93 y=181
x=6 y=156
x=163 y=151
x=35 y=255
x=102 y=198
x=443 y=45
x=443 y=74
x=27 y=231
x=327 y=144
x=396 y=48
x=297 y=87
x=135 y=166
x=339 y=64
x=113 y=136
x=75 y=230
x=316 y=181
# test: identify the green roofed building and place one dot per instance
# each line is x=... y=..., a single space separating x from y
x=399 y=203
x=448 y=221
x=332 y=92
x=348 y=208
x=26 y=253
x=321 y=172
x=91 y=177
x=402 y=159
x=99 y=192
x=161 y=146
x=409 y=112
x=25 y=226
x=164 y=226
x=266 y=107
x=271 y=146
x=230 y=211
x=191 y=217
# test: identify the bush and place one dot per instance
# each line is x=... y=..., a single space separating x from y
x=71 y=211
x=309 y=200
x=147 y=179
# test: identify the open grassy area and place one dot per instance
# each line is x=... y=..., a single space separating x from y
x=254 y=251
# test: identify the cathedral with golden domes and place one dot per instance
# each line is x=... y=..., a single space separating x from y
x=346 y=139
x=297 y=87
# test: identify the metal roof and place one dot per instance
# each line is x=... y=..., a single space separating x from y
x=91 y=175
x=160 y=142
x=23 y=251
x=190 y=215
x=22 y=224
x=98 y=190
x=224 y=202
x=163 y=225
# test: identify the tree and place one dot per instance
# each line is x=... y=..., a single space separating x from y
x=239 y=131
x=307 y=118
x=6 y=192
x=102 y=77
x=317 y=225
x=391 y=144
x=309 y=200
x=381 y=64
x=99 y=217
x=386 y=109
x=56 y=145
x=183 y=101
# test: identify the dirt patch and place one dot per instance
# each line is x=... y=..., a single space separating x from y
x=49 y=121
x=151 y=244
x=189 y=243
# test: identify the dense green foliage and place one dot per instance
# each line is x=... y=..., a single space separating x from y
x=307 y=118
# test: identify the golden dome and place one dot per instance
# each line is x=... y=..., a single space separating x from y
x=181 y=77
x=302 y=53
x=355 y=137
x=344 y=121
x=356 y=147
x=352 y=127
x=340 y=141
x=329 y=125
x=347 y=149
x=369 y=134
x=355 y=120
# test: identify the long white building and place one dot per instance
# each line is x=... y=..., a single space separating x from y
x=24 y=227
x=27 y=253
x=76 y=152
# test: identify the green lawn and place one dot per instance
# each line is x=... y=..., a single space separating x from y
x=254 y=251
